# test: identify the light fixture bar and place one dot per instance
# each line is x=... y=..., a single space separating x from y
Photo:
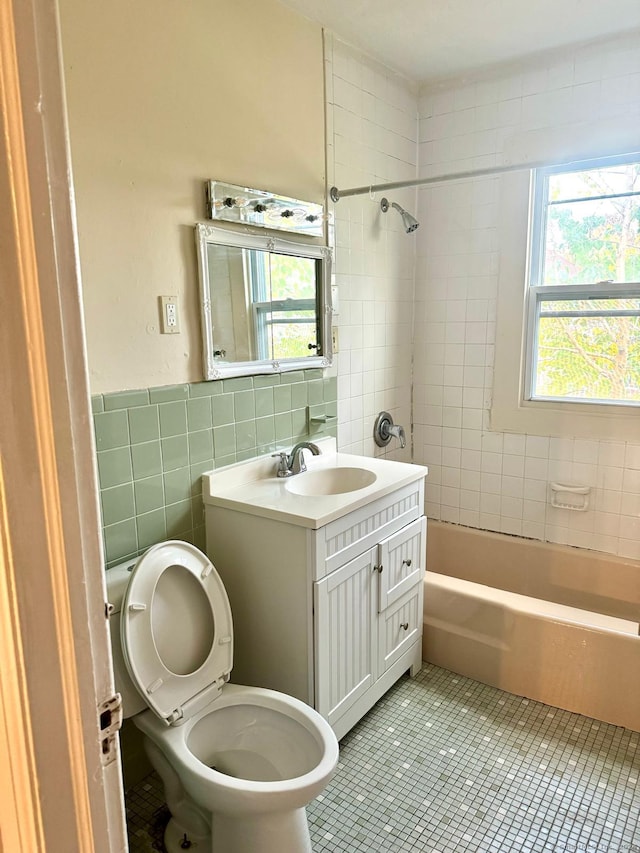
x=250 y=206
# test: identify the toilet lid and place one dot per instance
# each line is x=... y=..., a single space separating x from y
x=176 y=630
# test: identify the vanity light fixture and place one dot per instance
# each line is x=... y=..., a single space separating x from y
x=229 y=202
x=258 y=207
x=299 y=215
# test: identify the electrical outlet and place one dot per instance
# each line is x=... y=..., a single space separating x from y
x=169 y=315
x=334 y=339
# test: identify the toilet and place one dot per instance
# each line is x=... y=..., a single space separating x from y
x=239 y=764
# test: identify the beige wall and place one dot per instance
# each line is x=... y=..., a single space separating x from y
x=161 y=96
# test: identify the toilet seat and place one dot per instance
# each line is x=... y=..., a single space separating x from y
x=176 y=630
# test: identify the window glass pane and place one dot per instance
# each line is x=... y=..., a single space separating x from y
x=591 y=182
x=291 y=332
x=292 y=278
x=593 y=357
x=593 y=240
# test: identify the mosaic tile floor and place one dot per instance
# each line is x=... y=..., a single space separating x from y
x=444 y=764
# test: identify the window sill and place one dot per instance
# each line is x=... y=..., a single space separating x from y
x=579 y=420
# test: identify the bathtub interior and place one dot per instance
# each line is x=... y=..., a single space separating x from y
x=575 y=577
x=567 y=646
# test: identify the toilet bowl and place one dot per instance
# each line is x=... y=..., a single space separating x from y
x=239 y=764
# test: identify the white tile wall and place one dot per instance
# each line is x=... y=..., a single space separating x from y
x=477 y=477
x=372 y=137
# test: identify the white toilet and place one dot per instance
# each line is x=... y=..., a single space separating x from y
x=239 y=764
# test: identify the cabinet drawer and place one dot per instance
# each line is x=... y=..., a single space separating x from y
x=356 y=532
x=401 y=562
x=400 y=626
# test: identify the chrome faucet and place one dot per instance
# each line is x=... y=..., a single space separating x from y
x=293 y=463
x=384 y=428
x=397 y=431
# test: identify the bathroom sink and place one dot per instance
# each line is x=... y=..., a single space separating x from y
x=333 y=485
x=331 y=481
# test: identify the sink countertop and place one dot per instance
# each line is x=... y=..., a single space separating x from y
x=253 y=488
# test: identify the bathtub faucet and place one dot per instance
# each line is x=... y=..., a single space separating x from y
x=384 y=429
x=398 y=432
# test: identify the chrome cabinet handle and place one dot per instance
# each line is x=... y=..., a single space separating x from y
x=406 y=562
x=404 y=625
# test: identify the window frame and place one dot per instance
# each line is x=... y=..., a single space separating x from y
x=509 y=410
x=536 y=292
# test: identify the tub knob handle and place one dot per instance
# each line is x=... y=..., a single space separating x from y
x=406 y=562
x=404 y=625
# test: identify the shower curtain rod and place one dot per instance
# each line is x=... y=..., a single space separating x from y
x=335 y=194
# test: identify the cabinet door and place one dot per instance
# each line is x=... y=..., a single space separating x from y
x=345 y=635
x=400 y=626
x=403 y=558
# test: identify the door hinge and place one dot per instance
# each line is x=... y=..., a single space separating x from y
x=110 y=723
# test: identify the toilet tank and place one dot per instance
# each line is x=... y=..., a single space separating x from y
x=117 y=582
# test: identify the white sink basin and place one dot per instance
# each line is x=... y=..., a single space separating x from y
x=333 y=485
x=330 y=481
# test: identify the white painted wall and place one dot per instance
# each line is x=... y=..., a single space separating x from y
x=161 y=97
x=372 y=126
x=581 y=103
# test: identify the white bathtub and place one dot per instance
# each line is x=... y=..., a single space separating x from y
x=548 y=622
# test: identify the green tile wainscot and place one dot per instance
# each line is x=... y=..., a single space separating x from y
x=153 y=446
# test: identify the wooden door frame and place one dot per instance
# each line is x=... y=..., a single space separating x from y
x=56 y=791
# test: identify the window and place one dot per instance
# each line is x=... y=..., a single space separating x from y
x=583 y=300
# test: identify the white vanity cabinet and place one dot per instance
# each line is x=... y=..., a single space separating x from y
x=330 y=614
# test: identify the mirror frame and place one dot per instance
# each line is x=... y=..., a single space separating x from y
x=214 y=368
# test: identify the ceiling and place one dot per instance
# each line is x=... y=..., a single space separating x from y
x=431 y=39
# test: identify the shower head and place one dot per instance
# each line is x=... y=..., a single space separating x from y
x=410 y=222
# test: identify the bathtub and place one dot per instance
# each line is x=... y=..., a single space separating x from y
x=548 y=622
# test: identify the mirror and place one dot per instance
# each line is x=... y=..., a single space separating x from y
x=265 y=303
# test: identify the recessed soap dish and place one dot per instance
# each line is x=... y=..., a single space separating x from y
x=564 y=496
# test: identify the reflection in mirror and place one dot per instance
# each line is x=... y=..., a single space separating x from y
x=265 y=303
